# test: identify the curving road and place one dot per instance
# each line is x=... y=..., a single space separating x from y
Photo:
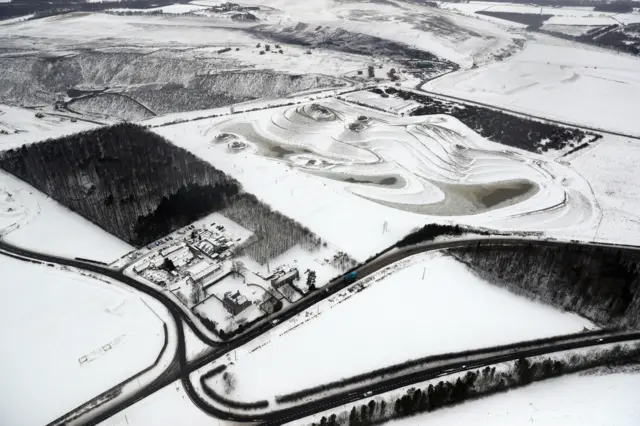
x=180 y=368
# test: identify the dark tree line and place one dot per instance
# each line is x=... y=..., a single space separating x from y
x=429 y=232
x=473 y=385
x=179 y=209
x=533 y=20
x=497 y=126
x=616 y=7
x=601 y=284
x=432 y=230
x=129 y=181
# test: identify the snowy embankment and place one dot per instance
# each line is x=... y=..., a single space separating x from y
x=424 y=305
x=30 y=219
x=68 y=338
x=378 y=176
x=585 y=400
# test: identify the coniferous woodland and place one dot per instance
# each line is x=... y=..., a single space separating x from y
x=139 y=187
x=601 y=284
x=273 y=232
x=129 y=181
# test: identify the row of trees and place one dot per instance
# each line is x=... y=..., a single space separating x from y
x=473 y=384
x=432 y=230
x=602 y=284
x=274 y=232
x=507 y=129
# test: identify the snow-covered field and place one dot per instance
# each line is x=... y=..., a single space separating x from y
x=393 y=105
x=66 y=339
x=30 y=219
x=170 y=406
x=572 y=30
x=171 y=9
x=446 y=34
x=561 y=15
x=585 y=400
x=22 y=126
x=448 y=310
x=582 y=20
x=558 y=80
x=393 y=173
x=206 y=35
x=612 y=167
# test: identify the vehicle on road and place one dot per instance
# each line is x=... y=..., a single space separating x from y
x=351 y=277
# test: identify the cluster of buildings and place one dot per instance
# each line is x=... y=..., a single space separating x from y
x=196 y=259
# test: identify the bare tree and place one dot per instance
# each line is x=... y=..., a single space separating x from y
x=229 y=381
x=237 y=267
x=196 y=291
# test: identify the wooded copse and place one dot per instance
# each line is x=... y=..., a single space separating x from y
x=476 y=384
x=274 y=233
x=601 y=284
x=129 y=181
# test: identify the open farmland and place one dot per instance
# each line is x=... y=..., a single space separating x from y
x=381 y=315
x=611 y=168
x=106 y=335
x=21 y=125
x=570 y=83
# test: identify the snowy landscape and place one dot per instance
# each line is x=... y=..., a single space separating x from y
x=338 y=212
